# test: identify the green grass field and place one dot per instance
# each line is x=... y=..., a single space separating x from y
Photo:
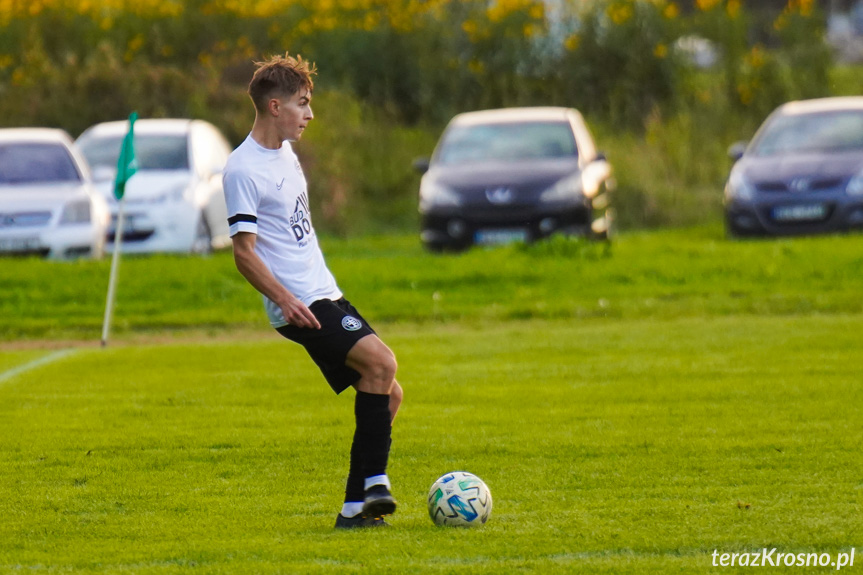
x=632 y=411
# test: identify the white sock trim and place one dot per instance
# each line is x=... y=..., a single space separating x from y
x=377 y=480
x=352 y=508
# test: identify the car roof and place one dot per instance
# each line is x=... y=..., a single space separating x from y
x=146 y=126
x=504 y=115
x=822 y=105
x=52 y=135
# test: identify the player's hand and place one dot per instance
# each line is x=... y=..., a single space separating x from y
x=298 y=314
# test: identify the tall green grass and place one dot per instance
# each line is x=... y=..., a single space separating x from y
x=673 y=273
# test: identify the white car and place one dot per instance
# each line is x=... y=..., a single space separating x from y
x=174 y=203
x=48 y=205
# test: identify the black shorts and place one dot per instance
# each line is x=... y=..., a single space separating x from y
x=342 y=327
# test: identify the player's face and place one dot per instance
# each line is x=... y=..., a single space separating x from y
x=295 y=114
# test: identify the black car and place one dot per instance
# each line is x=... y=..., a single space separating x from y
x=516 y=174
x=801 y=174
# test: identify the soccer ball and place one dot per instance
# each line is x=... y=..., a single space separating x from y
x=459 y=498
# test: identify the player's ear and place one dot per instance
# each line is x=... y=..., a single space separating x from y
x=273 y=106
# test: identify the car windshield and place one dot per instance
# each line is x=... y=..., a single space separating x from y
x=817 y=132
x=36 y=163
x=152 y=151
x=507 y=141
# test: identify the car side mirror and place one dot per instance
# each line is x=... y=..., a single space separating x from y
x=421 y=165
x=736 y=150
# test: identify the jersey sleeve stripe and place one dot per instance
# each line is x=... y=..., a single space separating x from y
x=242 y=218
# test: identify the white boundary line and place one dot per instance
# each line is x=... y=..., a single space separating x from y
x=45 y=359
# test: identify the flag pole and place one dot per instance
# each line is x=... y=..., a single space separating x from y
x=112 y=281
x=126 y=168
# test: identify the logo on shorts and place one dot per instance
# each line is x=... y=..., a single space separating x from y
x=351 y=323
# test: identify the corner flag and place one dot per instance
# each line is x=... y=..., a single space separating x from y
x=126 y=168
x=126 y=164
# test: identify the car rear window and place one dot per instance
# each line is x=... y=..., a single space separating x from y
x=36 y=163
x=817 y=132
x=152 y=152
x=507 y=141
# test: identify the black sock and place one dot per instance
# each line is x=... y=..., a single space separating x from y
x=372 y=437
x=354 y=487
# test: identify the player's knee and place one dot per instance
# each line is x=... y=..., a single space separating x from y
x=382 y=372
x=385 y=371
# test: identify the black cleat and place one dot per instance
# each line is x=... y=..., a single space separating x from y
x=378 y=502
x=358 y=521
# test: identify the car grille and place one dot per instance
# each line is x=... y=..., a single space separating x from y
x=131 y=236
x=24 y=219
x=799 y=185
x=503 y=198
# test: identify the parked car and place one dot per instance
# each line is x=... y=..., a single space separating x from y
x=516 y=174
x=48 y=205
x=174 y=203
x=801 y=174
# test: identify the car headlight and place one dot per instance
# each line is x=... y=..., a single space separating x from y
x=855 y=185
x=738 y=187
x=432 y=194
x=568 y=188
x=175 y=194
x=77 y=212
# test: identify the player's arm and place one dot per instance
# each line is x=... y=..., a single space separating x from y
x=259 y=275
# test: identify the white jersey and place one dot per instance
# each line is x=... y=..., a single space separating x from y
x=266 y=195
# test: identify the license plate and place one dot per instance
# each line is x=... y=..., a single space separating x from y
x=500 y=236
x=18 y=244
x=801 y=213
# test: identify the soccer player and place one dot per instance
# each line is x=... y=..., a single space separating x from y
x=276 y=250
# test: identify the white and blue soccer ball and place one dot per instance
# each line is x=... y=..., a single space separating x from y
x=461 y=499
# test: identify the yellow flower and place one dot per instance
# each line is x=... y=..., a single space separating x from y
x=733 y=9
x=660 y=51
x=619 y=13
x=781 y=22
x=746 y=93
x=671 y=11
x=572 y=43
x=802 y=7
x=476 y=66
x=135 y=43
x=470 y=27
x=537 y=11
x=755 y=58
x=19 y=77
x=705 y=5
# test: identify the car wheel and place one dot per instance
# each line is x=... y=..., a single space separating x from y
x=733 y=232
x=203 y=242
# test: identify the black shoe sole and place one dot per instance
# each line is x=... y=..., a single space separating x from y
x=379 y=506
x=359 y=522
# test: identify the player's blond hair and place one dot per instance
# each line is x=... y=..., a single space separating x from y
x=280 y=76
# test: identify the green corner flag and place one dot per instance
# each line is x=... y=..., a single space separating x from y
x=126 y=164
